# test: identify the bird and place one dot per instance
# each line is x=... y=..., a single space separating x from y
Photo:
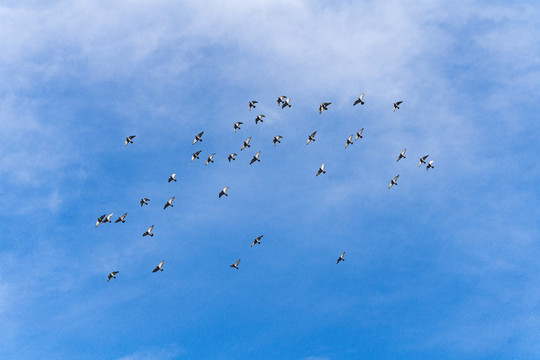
x=255 y=158
x=121 y=219
x=237 y=126
x=210 y=159
x=280 y=100
x=402 y=155
x=100 y=219
x=159 y=267
x=172 y=177
x=360 y=100
x=231 y=157
x=323 y=106
x=129 y=140
x=311 y=138
x=144 y=201
x=349 y=141
x=396 y=105
x=393 y=181
x=198 y=137
x=195 y=155
x=286 y=103
x=169 y=203
x=246 y=143
x=149 y=231
x=235 y=265
x=252 y=104
x=257 y=240
x=340 y=258
x=321 y=170
x=111 y=275
x=423 y=160
x=259 y=118
x=223 y=192
x=107 y=219
x=276 y=139
x=359 y=134
x=430 y=165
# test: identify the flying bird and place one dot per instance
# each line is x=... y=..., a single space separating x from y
x=198 y=137
x=100 y=219
x=246 y=143
x=223 y=192
x=360 y=100
x=280 y=100
x=235 y=265
x=172 y=177
x=257 y=240
x=396 y=105
x=430 y=165
x=423 y=160
x=112 y=275
x=286 y=103
x=393 y=182
x=341 y=257
x=159 y=267
x=402 y=155
x=252 y=104
x=107 y=219
x=169 y=203
x=144 y=201
x=149 y=231
x=323 y=106
x=276 y=139
x=321 y=170
x=129 y=140
x=255 y=158
x=359 y=134
x=311 y=138
x=237 y=126
x=259 y=118
x=231 y=157
x=210 y=159
x=349 y=141
x=195 y=155
x=121 y=219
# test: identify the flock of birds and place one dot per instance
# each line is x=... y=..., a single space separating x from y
x=284 y=102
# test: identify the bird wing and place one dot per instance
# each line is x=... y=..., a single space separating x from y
x=257 y=155
x=161 y=263
x=395 y=179
x=225 y=189
x=156 y=269
x=109 y=277
x=150 y=229
x=312 y=135
x=252 y=160
x=356 y=102
x=248 y=140
x=403 y=152
x=238 y=262
x=362 y=97
x=200 y=134
x=125 y=144
x=115 y=272
x=399 y=102
x=322 y=167
x=425 y=157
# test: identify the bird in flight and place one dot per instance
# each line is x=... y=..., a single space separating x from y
x=198 y=137
x=231 y=157
x=100 y=219
x=159 y=267
x=402 y=155
x=430 y=165
x=286 y=103
x=321 y=170
x=144 y=201
x=172 y=177
x=237 y=126
x=252 y=104
x=246 y=143
x=276 y=139
x=280 y=100
x=129 y=140
x=393 y=182
x=255 y=158
x=195 y=155
x=112 y=275
x=149 y=231
x=121 y=219
x=210 y=159
x=259 y=118
x=396 y=105
x=323 y=106
x=341 y=257
x=107 y=219
x=223 y=192
x=360 y=100
x=359 y=134
x=349 y=141
x=169 y=203
x=423 y=160
x=235 y=265
x=257 y=240
x=311 y=138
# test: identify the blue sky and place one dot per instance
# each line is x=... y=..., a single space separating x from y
x=443 y=266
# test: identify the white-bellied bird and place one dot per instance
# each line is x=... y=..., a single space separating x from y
x=321 y=170
x=349 y=141
x=393 y=182
x=210 y=159
x=129 y=140
x=231 y=157
x=257 y=240
x=235 y=265
x=311 y=138
x=237 y=126
x=121 y=219
x=149 y=231
x=245 y=144
x=276 y=139
x=169 y=203
x=112 y=275
x=360 y=100
x=423 y=160
x=402 y=155
x=144 y=201
x=198 y=137
x=259 y=118
x=396 y=105
x=359 y=134
x=195 y=155
x=159 y=267
x=172 y=177
x=255 y=158
x=223 y=192
x=341 y=257
x=323 y=106
x=252 y=104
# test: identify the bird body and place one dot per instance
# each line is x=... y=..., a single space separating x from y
x=129 y=140
x=169 y=203
x=252 y=104
x=144 y=201
x=255 y=158
x=393 y=182
x=149 y=231
x=360 y=100
x=311 y=138
x=223 y=192
x=430 y=165
x=237 y=126
x=321 y=170
x=198 y=137
x=276 y=139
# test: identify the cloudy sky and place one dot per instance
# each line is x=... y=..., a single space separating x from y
x=442 y=266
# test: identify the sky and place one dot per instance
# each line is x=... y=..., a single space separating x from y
x=442 y=266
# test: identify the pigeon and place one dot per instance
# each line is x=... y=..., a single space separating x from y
x=276 y=139
x=107 y=219
x=311 y=138
x=359 y=134
x=423 y=160
x=231 y=157
x=360 y=100
x=259 y=118
x=198 y=137
x=129 y=140
x=111 y=275
x=223 y=192
x=210 y=159
x=257 y=240
x=286 y=103
x=195 y=155
x=149 y=231
x=252 y=104
x=121 y=219
x=169 y=203
x=402 y=155
x=349 y=141
x=159 y=267
x=393 y=182
x=235 y=265
x=172 y=177
x=144 y=201
x=100 y=219
x=396 y=105
x=430 y=165
x=323 y=106
x=246 y=143
x=321 y=170
x=237 y=126
x=255 y=158
x=341 y=257
x=280 y=100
